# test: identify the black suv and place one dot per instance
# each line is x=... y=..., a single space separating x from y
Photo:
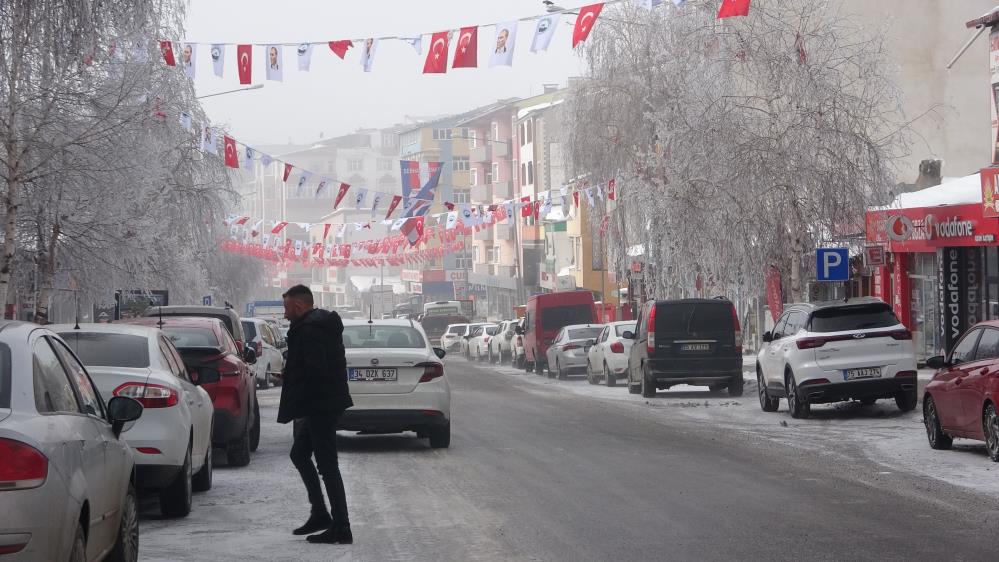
x=689 y=341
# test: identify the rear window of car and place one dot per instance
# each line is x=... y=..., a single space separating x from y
x=584 y=333
x=4 y=376
x=109 y=350
x=182 y=336
x=456 y=329
x=249 y=331
x=561 y=316
x=694 y=317
x=492 y=330
x=382 y=337
x=223 y=317
x=621 y=329
x=856 y=317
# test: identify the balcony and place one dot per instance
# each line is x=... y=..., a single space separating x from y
x=480 y=193
x=504 y=231
x=503 y=190
x=501 y=149
x=486 y=233
x=503 y=270
x=480 y=153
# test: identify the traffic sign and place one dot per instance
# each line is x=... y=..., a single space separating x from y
x=832 y=264
x=206 y=300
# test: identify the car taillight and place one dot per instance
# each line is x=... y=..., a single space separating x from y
x=485 y=339
x=260 y=348
x=811 y=343
x=901 y=335
x=149 y=395
x=431 y=371
x=738 y=330
x=23 y=466
x=617 y=347
x=651 y=329
x=569 y=346
x=905 y=374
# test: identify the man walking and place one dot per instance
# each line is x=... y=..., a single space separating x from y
x=314 y=395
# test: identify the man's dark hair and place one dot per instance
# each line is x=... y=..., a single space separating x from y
x=300 y=292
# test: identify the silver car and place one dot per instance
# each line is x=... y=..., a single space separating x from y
x=567 y=353
x=67 y=478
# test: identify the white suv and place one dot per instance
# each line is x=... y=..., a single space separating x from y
x=835 y=351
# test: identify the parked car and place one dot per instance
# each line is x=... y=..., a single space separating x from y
x=478 y=344
x=436 y=326
x=228 y=316
x=67 y=488
x=214 y=363
x=518 y=355
x=268 y=345
x=546 y=315
x=835 y=351
x=569 y=349
x=960 y=400
x=451 y=338
x=688 y=341
x=607 y=359
x=396 y=380
x=470 y=332
x=173 y=440
x=501 y=345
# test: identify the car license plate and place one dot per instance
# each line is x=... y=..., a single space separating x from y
x=372 y=375
x=865 y=373
x=695 y=347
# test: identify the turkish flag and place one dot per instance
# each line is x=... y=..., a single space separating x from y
x=731 y=8
x=244 y=62
x=436 y=62
x=575 y=198
x=466 y=53
x=278 y=228
x=612 y=189
x=339 y=196
x=326 y=230
x=339 y=48
x=166 y=47
x=231 y=154
x=395 y=203
x=527 y=208
x=584 y=23
x=287 y=171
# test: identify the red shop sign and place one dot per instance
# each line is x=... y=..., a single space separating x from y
x=924 y=229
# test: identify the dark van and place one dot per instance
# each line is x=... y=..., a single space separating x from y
x=547 y=314
x=434 y=326
x=689 y=341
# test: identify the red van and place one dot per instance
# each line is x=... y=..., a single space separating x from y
x=547 y=314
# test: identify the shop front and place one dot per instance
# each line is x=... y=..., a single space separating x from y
x=942 y=270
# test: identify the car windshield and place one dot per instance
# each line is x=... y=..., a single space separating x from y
x=584 y=333
x=249 y=330
x=109 y=350
x=620 y=329
x=561 y=316
x=182 y=336
x=456 y=329
x=382 y=337
x=694 y=317
x=857 y=317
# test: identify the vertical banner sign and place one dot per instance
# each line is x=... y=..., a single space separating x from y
x=972 y=280
x=994 y=90
x=775 y=292
x=949 y=291
x=990 y=192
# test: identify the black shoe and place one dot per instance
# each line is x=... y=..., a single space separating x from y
x=318 y=522
x=333 y=535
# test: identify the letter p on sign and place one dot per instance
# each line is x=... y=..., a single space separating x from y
x=832 y=264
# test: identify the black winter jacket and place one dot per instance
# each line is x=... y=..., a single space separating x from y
x=315 y=374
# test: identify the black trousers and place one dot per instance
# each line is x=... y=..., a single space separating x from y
x=316 y=436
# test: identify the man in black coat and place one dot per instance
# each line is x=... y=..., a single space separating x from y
x=314 y=395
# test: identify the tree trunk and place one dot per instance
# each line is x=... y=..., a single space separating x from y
x=797 y=251
x=11 y=203
x=46 y=275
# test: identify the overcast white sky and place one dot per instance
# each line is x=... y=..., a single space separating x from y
x=336 y=96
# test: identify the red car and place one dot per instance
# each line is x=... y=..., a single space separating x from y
x=214 y=363
x=547 y=314
x=960 y=400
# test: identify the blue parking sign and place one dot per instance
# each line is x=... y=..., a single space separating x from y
x=832 y=264
x=206 y=300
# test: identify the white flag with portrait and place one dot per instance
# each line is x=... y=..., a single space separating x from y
x=506 y=36
x=275 y=62
x=511 y=208
x=304 y=57
x=359 y=196
x=248 y=155
x=322 y=190
x=452 y=220
x=265 y=159
x=398 y=223
x=416 y=43
x=303 y=180
x=209 y=143
x=368 y=53
x=188 y=58
x=185 y=121
x=589 y=196
x=374 y=204
x=218 y=59
x=544 y=30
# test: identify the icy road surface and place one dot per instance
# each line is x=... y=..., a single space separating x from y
x=540 y=469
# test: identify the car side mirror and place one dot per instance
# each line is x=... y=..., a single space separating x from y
x=249 y=355
x=628 y=335
x=122 y=410
x=440 y=353
x=767 y=337
x=937 y=362
x=519 y=331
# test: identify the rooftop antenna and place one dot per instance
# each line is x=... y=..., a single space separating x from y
x=371 y=322
x=76 y=295
x=159 y=323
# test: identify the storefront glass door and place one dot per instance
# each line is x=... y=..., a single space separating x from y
x=925 y=319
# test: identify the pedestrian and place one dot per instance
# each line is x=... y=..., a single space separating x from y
x=314 y=395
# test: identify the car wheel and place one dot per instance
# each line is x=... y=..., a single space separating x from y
x=799 y=408
x=79 y=552
x=175 y=499
x=255 y=428
x=736 y=387
x=589 y=374
x=262 y=384
x=440 y=437
x=610 y=379
x=126 y=545
x=767 y=404
x=906 y=400
x=648 y=390
x=489 y=356
x=238 y=451
x=528 y=366
x=934 y=433
x=990 y=427
x=203 y=479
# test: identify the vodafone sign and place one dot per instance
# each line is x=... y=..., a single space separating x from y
x=927 y=229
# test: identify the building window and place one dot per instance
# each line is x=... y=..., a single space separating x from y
x=390 y=140
x=494 y=130
x=523 y=173
x=494 y=254
x=530 y=173
x=473 y=177
x=514 y=170
x=384 y=165
x=409 y=138
x=463 y=262
x=522 y=130
x=461 y=196
x=477 y=254
x=355 y=164
x=530 y=132
x=460 y=163
x=442 y=134
x=496 y=174
x=472 y=141
x=574 y=241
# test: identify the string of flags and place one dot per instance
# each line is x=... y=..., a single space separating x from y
x=184 y=54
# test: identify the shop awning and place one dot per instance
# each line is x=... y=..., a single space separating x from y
x=958 y=191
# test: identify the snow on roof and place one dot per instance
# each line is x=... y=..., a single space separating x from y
x=523 y=112
x=958 y=191
x=557 y=214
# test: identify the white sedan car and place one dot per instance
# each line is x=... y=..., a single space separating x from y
x=501 y=345
x=607 y=360
x=396 y=380
x=451 y=339
x=173 y=439
x=478 y=344
x=567 y=353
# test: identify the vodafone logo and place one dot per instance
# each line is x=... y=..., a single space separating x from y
x=899 y=228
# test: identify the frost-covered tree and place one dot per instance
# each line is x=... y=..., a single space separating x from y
x=739 y=143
